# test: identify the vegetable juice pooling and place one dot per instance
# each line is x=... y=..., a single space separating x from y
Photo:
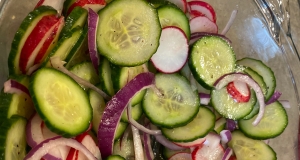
x=130 y=34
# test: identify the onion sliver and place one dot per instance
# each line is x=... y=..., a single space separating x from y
x=115 y=107
x=59 y=65
x=224 y=80
x=230 y=124
x=225 y=136
x=137 y=143
x=274 y=97
x=12 y=86
x=227 y=154
x=147 y=147
x=42 y=149
x=139 y=126
x=92 y=25
x=229 y=23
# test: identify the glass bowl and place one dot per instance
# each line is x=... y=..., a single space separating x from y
x=266 y=30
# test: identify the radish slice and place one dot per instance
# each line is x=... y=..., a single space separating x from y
x=181 y=156
x=42 y=149
x=92 y=25
x=12 y=86
x=203 y=24
x=239 y=91
x=208 y=152
x=182 y=4
x=115 y=107
x=172 y=52
x=204 y=8
x=224 y=80
x=59 y=65
x=194 y=143
x=57 y=4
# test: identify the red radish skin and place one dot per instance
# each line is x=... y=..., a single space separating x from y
x=203 y=24
x=182 y=4
x=35 y=37
x=237 y=94
x=49 y=43
x=40 y=2
x=82 y=3
x=204 y=8
x=205 y=152
x=172 y=53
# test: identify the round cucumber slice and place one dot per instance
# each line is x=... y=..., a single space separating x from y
x=176 y=105
x=61 y=102
x=211 y=57
x=246 y=148
x=271 y=125
x=192 y=130
x=228 y=107
x=128 y=32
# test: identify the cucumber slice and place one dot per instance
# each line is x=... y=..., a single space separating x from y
x=68 y=46
x=120 y=130
x=114 y=157
x=23 y=32
x=128 y=32
x=16 y=104
x=13 y=139
x=176 y=104
x=228 y=107
x=211 y=57
x=105 y=77
x=246 y=148
x=98 y=105
x=61 y=102
x=254 y=111
x=136 y=113
x=77 y=17
x=86 y=71
x=170 y=15
x=192 y=130
x=124 y=148
x=263 y=70
x=272 y=124
x=122 y=75
x=258 y=79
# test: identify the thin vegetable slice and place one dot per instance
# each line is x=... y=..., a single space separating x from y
x=115 y=107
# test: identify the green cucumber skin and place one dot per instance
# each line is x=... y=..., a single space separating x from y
x=5 y=127
x=237 y=134
x=183 y=24
x=67 y=5
x=44 y=116
x=197 y=105
x=259 y=135
x=74 y=16
x=26 y=23
x=270 y=89
x=114 y=157
x=86 y=68
x=106 y=84
x=194 y=68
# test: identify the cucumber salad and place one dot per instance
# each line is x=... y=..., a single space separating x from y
x=135 y=79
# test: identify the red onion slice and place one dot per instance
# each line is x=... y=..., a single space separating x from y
x=227 y=154
x=230 y=22
x=42 y=149
x=225 y=136
x=92 y=25
x=204 y=98
x=147 y=147
x=224 y=80
x=230 y=125
x=197 y=35
x=12 y=86
x=115 y=108
x=137 y=143
x=274 y=97
x=139 y=126
x=59 y=65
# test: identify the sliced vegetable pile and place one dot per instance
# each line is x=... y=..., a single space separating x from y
x=134 y=79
